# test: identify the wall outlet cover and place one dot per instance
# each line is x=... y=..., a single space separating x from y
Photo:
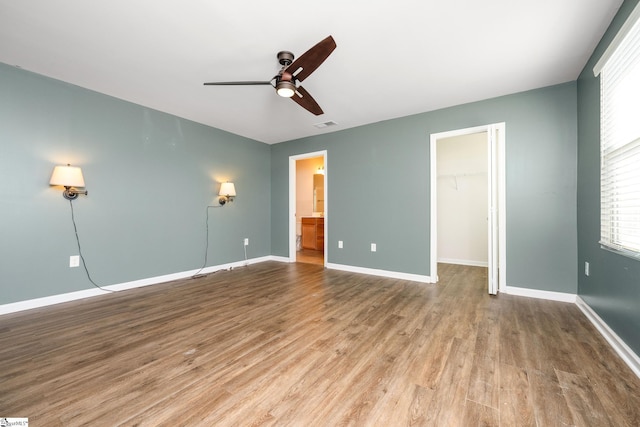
x=586 y=268
x=74 y=261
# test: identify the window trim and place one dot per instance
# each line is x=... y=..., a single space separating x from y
x=633 y=17
x=610 y=244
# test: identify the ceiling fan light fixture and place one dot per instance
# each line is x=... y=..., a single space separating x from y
x=285 y=88
x=287 y=81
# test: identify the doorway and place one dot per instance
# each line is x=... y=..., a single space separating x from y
x=462 y=191
x=480 y=178
x=308 y=208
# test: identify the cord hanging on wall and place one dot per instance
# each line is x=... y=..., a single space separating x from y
x=69 y=177
x=227 y=193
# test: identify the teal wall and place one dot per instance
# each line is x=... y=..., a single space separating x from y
x=150 y=176
x=613 y=287
x=366 y=164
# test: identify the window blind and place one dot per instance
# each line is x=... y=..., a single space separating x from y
x=620 y=145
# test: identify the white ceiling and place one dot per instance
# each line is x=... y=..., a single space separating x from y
x=394 y=57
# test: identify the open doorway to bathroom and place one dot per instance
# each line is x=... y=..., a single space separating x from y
x=307 y=193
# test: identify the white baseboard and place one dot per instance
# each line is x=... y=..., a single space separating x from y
x=279 y=259
x=88 y=293
x=620 y=347
x=535 y=293
x=54 y=299
x=383 y=273
x=464 y=262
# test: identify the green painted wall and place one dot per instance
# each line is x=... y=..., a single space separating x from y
x=366 y=164
x=613 y=287
x=150 y=176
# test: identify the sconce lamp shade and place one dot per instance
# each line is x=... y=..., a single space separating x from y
x=68 y=176
x=227 y=189
x=227 y=193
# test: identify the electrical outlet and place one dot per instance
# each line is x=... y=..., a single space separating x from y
x=586 y=268
x=74 y=261
x=373 y=247
x=340 y=244
x=246 y=241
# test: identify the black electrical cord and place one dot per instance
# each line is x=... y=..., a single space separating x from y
x=75 y=229
x=197 y=274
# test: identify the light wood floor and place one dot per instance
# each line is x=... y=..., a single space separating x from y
x=309 y=256
x=294 y=344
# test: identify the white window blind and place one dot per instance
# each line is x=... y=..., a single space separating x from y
x=620 y=144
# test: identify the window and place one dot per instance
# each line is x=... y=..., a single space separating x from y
x=619 y=70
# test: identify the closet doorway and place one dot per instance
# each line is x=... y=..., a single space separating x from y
x=463 y=192
x=477 y=173
x=308 y=208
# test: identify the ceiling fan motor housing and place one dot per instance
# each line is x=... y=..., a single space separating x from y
x=285 y=58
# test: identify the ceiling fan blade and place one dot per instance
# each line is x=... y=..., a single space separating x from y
x=247 y=83
x=306 y=101
x=311 y=59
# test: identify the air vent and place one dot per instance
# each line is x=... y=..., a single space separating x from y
x=325 y=124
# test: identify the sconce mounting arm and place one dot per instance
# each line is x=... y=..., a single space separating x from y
x=71 y=193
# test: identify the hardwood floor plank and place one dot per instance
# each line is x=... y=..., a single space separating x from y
x=484 y=382
x=512 y=342
x=295 y=344
x=448 y=403
x=488 y=334
x=479 y=415
x=417 y=413
x=583 y=402
x=604 y=370
x=549 y=404
x=516 y=404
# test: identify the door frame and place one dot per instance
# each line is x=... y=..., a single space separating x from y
x=292 y=202
x=496 y=139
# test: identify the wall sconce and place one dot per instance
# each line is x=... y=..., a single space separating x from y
x=227 y=193
x=69 y=177
x=320 y=171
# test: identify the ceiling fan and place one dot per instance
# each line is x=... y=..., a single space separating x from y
x=293 y=72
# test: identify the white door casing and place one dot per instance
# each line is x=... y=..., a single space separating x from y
x=496 y=207
x=292 y=202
